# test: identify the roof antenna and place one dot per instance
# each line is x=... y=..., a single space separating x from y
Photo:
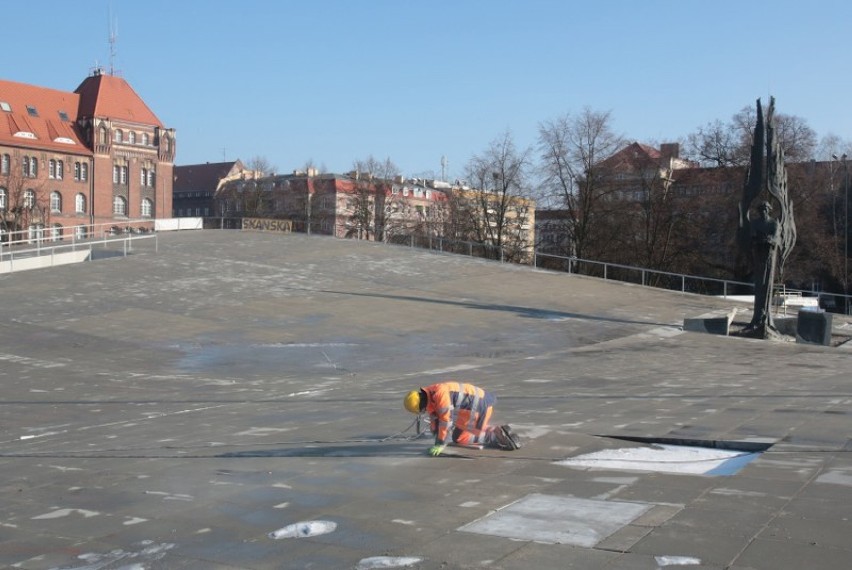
x=113 y=38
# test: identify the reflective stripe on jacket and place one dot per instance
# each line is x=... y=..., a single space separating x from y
x=456 y=403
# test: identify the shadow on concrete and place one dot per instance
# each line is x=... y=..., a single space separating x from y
x=367 y=449
x=527 y=312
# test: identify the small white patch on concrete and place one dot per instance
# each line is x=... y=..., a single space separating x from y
x=558 y=520
x=387 y=562
x=677 y=561
x=281 y=506
x=448 y=370
x=616 y=480
x=134 y=520
x=468 y=504
x=736 y=493
x=59 y=513
x=171 y=496
x=402 y=521
x=150 y=552
x=282 y=486
x=836 y=477
x=537 y=381
x=203 y=530
x=304 y=529
x=64 y=468
x=10 y=525
x=262 y=431
x=658 y=458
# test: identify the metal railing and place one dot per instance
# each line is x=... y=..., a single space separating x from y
x=685 y=283
x=111 y=240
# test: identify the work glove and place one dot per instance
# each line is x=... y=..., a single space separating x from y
x=436 y=450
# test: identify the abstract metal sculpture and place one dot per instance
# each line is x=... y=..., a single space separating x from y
x=769 y=240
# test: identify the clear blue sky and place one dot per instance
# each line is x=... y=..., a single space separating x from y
x=334 y=81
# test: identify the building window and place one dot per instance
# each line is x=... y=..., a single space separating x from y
x=55 y=169
x=32 y=111
x=80 y=232
x=80 y=204
x=147 y=208
x=29 y=166
x=119 y=174
x=143 y=176
x=29 y=199
x=131 y=137
x=145 y=139
x=5 y=162
x=56 y=232
x=151 y=177
x=81 y=171
x=2 y=199
x=102 y=135
x=55 y=201
x=117 y=135
x=119 y=206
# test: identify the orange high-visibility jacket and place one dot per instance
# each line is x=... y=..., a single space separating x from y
x=456 y=403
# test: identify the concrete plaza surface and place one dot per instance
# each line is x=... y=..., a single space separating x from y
x=234 y=400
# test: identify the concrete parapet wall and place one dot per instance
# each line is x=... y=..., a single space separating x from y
x=713 y=323
x=42 y=261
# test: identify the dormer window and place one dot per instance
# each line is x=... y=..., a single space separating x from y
x=32 y=111
x=4 y=106
x=63 y=116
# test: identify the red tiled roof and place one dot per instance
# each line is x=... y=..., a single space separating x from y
x=47 y=104
x=109 y=96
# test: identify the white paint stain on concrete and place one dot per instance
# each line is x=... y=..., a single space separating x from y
x=60 y=513
x=469 y=504
x=403 y=521
x=658 y=459
x=677 y=561
x=387 y=562
x=134 y=520
x=171 y=496
x=130 y=560
x=304 y=529
x=281 y=506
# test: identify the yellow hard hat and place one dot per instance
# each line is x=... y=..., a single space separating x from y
x=412 y=401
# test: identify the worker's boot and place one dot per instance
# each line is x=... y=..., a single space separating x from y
x=506 y=439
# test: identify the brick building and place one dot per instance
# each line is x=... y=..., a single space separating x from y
x=75 y=163
x=195 y=186
x=344 y=205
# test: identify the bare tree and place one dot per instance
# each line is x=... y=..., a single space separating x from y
x=253 y=194
x=729 y=144
x=573 y=147
x=498 y=212
x=27 y=203
x=372 y=202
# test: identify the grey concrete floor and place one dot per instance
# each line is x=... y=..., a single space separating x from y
x=233 y=400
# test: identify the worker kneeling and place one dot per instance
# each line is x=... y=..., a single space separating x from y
x=460 y=411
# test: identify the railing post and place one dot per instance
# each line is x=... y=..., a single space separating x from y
x=683 y=283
